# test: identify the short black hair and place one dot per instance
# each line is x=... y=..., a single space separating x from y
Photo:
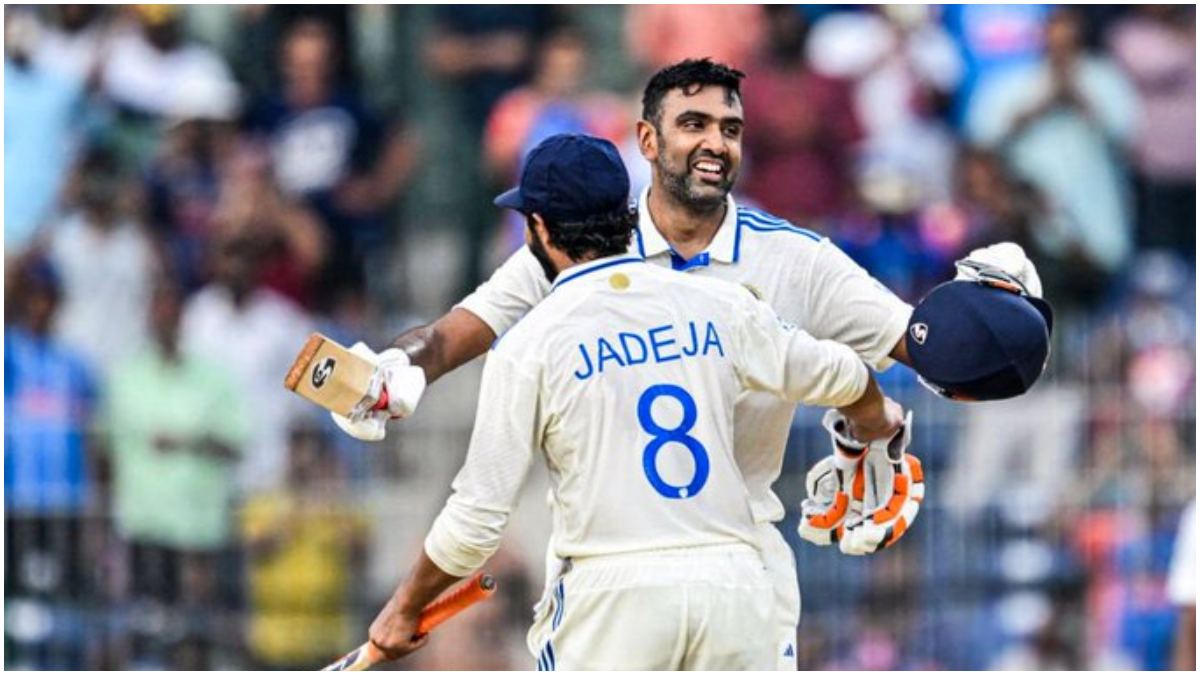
x=596 y=236
x=690 y=75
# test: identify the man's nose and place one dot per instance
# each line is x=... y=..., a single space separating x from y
x=714 y=141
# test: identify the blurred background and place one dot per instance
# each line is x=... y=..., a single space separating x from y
x=188 y=192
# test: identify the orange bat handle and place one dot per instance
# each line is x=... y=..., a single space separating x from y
x=435 y=614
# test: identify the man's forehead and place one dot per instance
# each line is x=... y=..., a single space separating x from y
x=714 y=99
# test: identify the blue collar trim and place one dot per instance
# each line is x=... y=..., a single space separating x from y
x=588 y=268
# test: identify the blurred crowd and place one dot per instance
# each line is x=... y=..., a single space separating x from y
x=190 y=191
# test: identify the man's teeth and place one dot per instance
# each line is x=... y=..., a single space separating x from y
x=710 y=167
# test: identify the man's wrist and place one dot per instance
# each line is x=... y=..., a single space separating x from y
x=406 y=604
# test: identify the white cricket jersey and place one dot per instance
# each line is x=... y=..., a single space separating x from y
x=624 y=380
x=805 y=278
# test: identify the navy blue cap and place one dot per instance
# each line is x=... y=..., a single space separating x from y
x=570 y=177
x=973 y=341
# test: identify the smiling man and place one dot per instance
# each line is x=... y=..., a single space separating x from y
x=691 y=133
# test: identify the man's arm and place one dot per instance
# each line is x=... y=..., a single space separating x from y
x=394 y=631
x=1185 y=640
x=454 y=339
x=466 y=331
x=843 y=303
x=790 y=363
x=467 y=531
x=423 y=354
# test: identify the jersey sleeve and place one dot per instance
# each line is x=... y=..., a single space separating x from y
x=845 y=304
x=507 y=433
x=513 y=289
x=773 y=356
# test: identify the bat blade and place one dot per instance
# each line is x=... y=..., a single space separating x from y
x=330 y=375
x=479 y=587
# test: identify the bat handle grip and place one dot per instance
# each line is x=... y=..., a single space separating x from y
x=382 y=403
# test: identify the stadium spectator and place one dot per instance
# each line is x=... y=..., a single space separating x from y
x=481 y=52
x=903 y=65
x=306 y=544
x=992 y=38
x=256 y=333
x=332 y=153
x=658 y=35
x=149 y=63
x=183 y=181
x=51 y=529
x=1156 y=46
x=800 y=158
x=176 y=427
x=1064 y=123
x=71 y=41
x=484 y=50
x=293 y=241
x=997 y=205
x=41 y=124
x=556 y=101
x=106 y=262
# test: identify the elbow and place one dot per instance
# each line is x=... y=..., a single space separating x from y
x=461 y=541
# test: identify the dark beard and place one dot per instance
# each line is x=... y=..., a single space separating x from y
x=539 y=253
x=680 y=190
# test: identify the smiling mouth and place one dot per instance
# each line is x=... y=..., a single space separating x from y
x=710 y=170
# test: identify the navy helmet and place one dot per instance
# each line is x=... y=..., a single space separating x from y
x=977 y=341
x=568 y=178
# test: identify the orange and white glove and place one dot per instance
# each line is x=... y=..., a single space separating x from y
x=396 y=378
x=863 y=496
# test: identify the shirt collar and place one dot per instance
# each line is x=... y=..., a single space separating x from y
x=590 y=266
x=648 y=241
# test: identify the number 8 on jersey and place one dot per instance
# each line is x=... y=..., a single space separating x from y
x=662 y=436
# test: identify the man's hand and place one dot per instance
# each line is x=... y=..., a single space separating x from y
x=394 y=376
x=1000 y=263
x=394 y=631
x=865 y=495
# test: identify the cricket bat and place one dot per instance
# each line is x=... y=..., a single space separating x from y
x=333 y=377
x=436 y=613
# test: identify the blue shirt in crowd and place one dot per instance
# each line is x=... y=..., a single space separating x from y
x=49 y=395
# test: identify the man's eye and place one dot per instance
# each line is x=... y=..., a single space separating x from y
x=733 y=132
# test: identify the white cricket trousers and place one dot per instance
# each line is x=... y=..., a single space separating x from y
x=781 y=568
x=699 y=608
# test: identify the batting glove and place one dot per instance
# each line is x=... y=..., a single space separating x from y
x=1001 y=264
x=890 y=486
x=396 y=385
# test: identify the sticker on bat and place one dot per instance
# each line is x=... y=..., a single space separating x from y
x=321 y=373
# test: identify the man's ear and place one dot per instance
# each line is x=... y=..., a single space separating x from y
x=647 y=137
x=539 y=228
